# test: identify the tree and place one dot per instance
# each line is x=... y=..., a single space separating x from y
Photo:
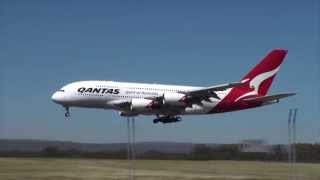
x=51 y=151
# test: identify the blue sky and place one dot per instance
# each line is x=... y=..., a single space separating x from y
x=46 y=44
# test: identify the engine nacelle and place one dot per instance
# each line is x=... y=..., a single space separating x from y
x=140 y=105
x=176 y=99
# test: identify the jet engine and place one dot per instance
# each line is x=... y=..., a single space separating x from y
x=176 y=99
x=139 y=105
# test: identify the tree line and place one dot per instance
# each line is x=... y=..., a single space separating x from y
x=304 y=153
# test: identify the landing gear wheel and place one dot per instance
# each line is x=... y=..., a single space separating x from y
x=67 y=114
x=155 y=121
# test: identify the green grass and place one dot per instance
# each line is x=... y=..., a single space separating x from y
x=92 y=169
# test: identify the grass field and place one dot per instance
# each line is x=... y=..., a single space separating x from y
x=92 y=169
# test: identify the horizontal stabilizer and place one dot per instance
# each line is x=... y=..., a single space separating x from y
x=270 y=98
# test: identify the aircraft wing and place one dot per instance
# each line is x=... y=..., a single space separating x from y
x=204 y=93
x=210 y=91
x=271 y=98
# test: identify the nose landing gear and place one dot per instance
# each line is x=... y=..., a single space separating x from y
x=67 y=113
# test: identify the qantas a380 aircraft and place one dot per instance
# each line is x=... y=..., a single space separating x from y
x=169 y=102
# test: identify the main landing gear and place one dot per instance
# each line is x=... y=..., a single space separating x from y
x=167 y=119
x=67 y=113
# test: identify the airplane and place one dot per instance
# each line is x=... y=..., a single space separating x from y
x=169 y=102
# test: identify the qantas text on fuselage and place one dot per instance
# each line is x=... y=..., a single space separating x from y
x=169 y=102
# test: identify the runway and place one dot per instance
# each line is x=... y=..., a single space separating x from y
x=99 y=169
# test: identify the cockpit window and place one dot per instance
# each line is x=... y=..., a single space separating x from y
x=61 y=90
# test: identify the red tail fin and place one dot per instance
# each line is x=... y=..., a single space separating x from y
x=256 y=83
x=262 y=75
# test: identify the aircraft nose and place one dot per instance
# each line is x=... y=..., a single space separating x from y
x=57 y=97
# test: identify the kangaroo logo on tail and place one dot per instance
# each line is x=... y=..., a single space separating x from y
x=257 y=82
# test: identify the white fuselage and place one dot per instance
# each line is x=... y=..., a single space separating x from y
x=105 y=94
